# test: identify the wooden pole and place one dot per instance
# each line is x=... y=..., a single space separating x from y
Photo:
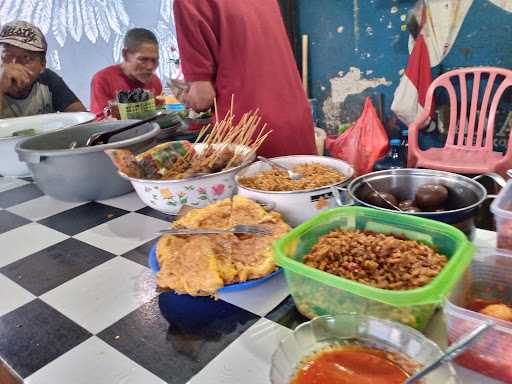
x=305 y=55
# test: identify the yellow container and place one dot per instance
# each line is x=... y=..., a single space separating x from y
x=128 y=110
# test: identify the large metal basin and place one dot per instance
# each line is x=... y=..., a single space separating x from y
x=84 y=173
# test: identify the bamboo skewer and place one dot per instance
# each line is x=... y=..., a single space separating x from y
x=224 y=134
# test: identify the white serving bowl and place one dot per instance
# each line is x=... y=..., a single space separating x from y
x=295 y=206
x=168 y=196
x=10 y=164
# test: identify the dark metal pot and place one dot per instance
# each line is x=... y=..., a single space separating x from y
x=465 y=195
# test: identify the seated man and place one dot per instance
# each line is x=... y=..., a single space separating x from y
x=27 y=87
x=140 y=61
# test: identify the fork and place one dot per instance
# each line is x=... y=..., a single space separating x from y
x=241 y=228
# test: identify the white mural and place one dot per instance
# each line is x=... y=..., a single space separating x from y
x=94 y=20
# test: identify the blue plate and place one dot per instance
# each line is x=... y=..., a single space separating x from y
x=155 y=267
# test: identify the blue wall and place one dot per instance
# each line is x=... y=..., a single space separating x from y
x=381 y=46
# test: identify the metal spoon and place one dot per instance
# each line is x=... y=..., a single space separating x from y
x=103 y=137
x=381 y=195
x=291 y=174
x=452 y=352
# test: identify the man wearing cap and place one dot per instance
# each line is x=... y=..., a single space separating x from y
x=27 y=87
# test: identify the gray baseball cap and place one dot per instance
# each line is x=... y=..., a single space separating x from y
x=23 y=35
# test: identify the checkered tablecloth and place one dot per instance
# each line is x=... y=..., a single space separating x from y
x=78 y=303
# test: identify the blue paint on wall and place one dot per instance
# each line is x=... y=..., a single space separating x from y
x=484 y=39
x=379 y=47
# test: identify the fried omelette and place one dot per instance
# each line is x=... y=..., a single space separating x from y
x=200 y=265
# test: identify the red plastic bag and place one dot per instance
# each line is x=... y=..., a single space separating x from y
x=363 y=143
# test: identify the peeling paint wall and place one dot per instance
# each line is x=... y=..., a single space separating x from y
x=357 y=49
x=360 y=48
x=343 y=86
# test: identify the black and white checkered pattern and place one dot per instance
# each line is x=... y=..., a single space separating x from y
x=78 y=303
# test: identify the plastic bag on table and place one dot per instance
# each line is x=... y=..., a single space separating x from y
x=363 y=143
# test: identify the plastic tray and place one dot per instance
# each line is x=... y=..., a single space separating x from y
x=502 y=209
x=489 y=278
x=155 y=268
x=319 y=293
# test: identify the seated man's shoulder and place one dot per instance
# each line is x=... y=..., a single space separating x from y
x=49 y=77
x=107 y=72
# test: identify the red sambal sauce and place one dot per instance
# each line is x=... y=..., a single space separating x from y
x=352 y=364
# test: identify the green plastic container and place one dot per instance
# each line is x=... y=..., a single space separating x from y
x=318 y=293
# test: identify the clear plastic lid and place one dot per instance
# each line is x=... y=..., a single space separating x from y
x=502 y=205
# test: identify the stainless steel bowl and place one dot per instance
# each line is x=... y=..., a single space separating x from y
x=464 y=198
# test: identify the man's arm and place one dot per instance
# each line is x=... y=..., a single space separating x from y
x=12 y=75
x=200 y=96
x=100 y=95
x=63 y=98
x=198 y=45
x=77 y=106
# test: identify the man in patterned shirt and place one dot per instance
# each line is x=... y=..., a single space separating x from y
x=27 y=87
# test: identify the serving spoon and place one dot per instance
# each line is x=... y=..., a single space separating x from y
x=103 y=137
x=291 y=174
x=452 y=352
x=381 y=195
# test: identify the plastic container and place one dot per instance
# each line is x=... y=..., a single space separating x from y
x=489 y=278
x=405 y=145
x=318 y=293
x=501 y=207
x=313 y=336
x=394 y=158
x=128 y=110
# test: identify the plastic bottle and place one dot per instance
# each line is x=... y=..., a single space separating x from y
x=393 y=159
x=405 y=145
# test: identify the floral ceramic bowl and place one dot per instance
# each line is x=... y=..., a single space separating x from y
x=169 y=196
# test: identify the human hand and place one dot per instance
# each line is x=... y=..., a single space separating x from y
x=200 y=96
x=14 y=76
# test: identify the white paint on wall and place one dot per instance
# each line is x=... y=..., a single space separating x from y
x=504 y=4
x=352 y=83
x=443 y=23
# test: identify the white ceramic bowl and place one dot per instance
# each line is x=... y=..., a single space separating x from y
x=10 y=164
x=169 y=196
x=296 y=206
x=326 y=331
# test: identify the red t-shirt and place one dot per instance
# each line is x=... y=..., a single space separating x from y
x=107 y=82
x=242 y=46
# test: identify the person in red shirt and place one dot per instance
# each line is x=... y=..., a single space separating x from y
x=241 y=48
x=140 y=61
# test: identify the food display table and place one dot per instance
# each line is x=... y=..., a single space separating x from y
x=78 y=303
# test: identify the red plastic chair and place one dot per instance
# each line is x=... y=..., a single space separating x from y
x=469 y=144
